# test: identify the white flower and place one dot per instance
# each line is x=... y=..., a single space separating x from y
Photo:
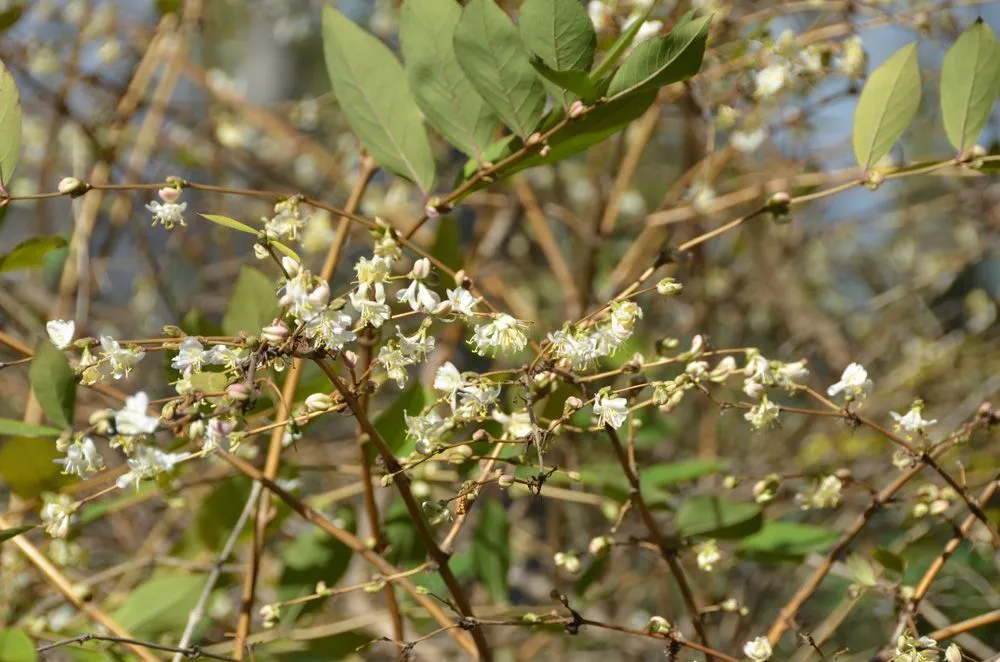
x=286 y=223
x=462 y=302
x=132 y=419
x=770 y=80
x=375 y=313
x=763 y=416
x=912 y=422
x=416 y=347
x=854 y=383
x=610 y=411
x=231 y=357
x=580 y=350
x=852 y=59
x=476 y=399
x=504 y=335
x=758 y=649
x=419 y=297
x=61 y=332
x=81 y=458
x=190 y=356
x=374 y=270
x=56 y=515
x=516 y=425
x=217 y=434
x=623 y=317
x=330 y=329
x=953 y=653
x=425 y=430
x=748 y=141
x=168 y=214
x=121 y=360
x=147 y=462
x=825 y=494
x=708 y=555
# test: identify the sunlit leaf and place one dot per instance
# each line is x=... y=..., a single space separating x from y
x=862 y=570
x=230 y=223
x=14 y=428
x=887 y=105
x=491 y=549
x=253 y=304
x=560 y=35
x=372 y=90
x=30 y=254
x=287 y=251
x=27 y=467
x=449 y=101
x=10 y=125
x=662 y=60
x=490 y=52
x=54 y=384
x=970 y=80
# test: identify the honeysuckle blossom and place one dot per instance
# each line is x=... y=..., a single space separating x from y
x=448 y=380
x=287 y=221
x=770 y=80
x=57 y=513
x=824 y=494
x=61 y=332
x=758 y=649
x=764 y=415
x=610 y=411
x=912 y=422
x=854 y=383
x=476 y=398
x=132 y=420
x=708 y=555
x=370 y=312
x=425 y=430
x=462 y=302
x=147 y=462
x=331 y=329
x=168 y=214
x=503 y=335
x=191 y=355
x=81 y=458
x=417 y=294
x=516 y=425
x=117 y=360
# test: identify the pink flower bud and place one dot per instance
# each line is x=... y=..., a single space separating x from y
x=169 y=194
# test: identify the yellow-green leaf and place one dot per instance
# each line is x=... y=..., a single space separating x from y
x=490 y=52
x=29 y=254
x=27 y=467
x=887 y=105
x=449 y=101
x=160 y=605
x=287 y=251
x=230 y=223
x=970 y=79
x=371 y=88
x=7 y=534
x=12 y=428
x=10 y=124
x=53 y=383
x=16 y=646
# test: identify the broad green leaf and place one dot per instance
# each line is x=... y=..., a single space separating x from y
x=594 y=572
x=970 y=79
x=491 y=549
x=618 y=48
x=713 y=517
x=230 y=223
x=27 y=467
x=576 y=81
x=889 y=560
x=560 y=34
x=7 y=534
x=449 y=101
x=490 y=52
x=371 y=88
x=161 y=604
x=253 y=304
x=218 y=512
x=30 y=254
x=609 y=477
x=10 y=125
x=311 y=557
x=789 y=539
x=862 y=570
x=341 y=646
x=662 y=60
x=14 y=428
x=391 y=423
x=53 y=383
x=597 y=126
x=887 y=105
x=16 y=646
x=405 y=546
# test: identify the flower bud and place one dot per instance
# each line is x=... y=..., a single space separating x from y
x=480 y=435
x=350 y=358
x=443 y=309
x=953 y=653
x=874 y=179
x=668 y=287
x=239 y=392
x=169 y=194
x=276 y=332
x=572 y=403
x=421 y=269
x=658 y=625
x=577 y=109
x=260 y=252
x=534 y=139
x=319 y=402
x=505 y=481
x=291 y=267
x=73 y=187
x=599 y=545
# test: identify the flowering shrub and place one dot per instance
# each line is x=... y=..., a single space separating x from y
x=515 y=413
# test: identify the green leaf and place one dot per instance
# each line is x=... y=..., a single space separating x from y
x=27 y=467
x=862 y=570
x=713 y=517
x=11 y=16
x=576 y=81
x=371 y=88
x=16 y=646
x=230 y=223
x=594 y=572
x=449 y=101
x=338 y=647
x=391 y=423
x=209 y=382
x=10 y=125
x=448 y=244
x=662 y=60
x=887 y=105
x=218 y=512
x=490 y=52
x=253 y=304
x=14 y=428
x=7 y=534
x=160 y=605
x=311 y=557
x=53 y=383
x=287 y=251
x=491 y=549
x=561 y=37
x=405 y=546
x=970 y=79
x=618 y=48
x=29 y=254
x=890 y=561
x=789 y=539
